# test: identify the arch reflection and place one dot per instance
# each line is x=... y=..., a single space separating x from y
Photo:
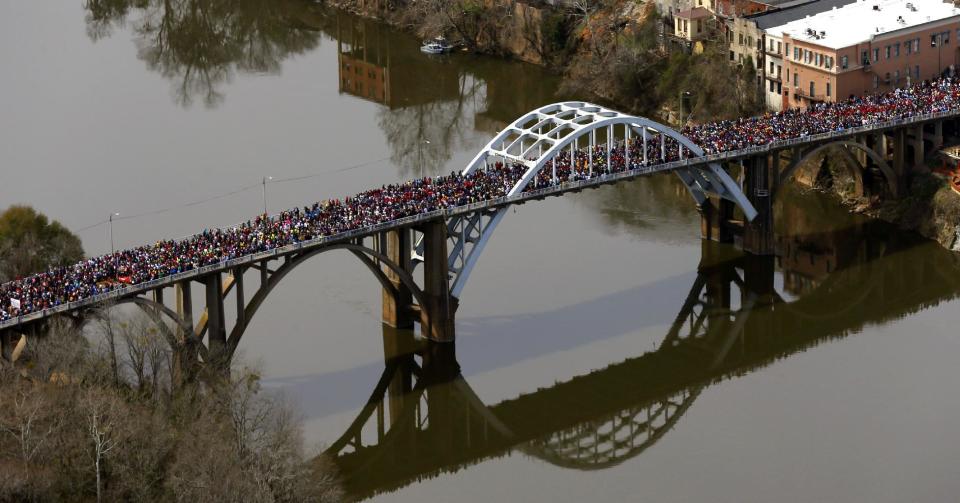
x=741 y=313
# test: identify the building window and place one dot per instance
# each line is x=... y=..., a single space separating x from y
x=945 y=37
x=896 y=78
x=876 y=55
x=918 y=72
x=731 y=56
x=876 y=81
x=699 y=25
x=886 y=51
x=844 y=62
x=780 y=46
x=771 y=86
x=779 y=70
x=909 y=47
x=796 y=79
x=812 y=88
x=819 y=59
x=916 y=45
x=796 y=54
x=828 y=89
x=896 y=50
x=772 y=66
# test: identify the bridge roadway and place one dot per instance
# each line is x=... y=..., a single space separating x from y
x=598 y=420
x=495 y=206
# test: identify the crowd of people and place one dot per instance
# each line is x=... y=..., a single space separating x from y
x=102 y=274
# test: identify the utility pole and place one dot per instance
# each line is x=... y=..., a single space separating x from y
x=265 y=179
x=110 y=219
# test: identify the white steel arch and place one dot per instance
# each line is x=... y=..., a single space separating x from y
x=537 y=137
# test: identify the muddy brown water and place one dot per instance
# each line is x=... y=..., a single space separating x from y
x=604 y=353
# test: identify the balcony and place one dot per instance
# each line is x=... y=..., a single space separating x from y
x=804 y=93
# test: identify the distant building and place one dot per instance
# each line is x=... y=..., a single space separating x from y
x=747 y=20
x=692 y=24
x=668 y=8
x=866 y=47
x=772 y=42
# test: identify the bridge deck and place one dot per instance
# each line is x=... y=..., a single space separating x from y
x=554 y=190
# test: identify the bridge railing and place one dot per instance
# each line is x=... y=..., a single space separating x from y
x=604 y=178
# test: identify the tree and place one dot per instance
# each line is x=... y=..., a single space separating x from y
x=101 y=414
x=29 y=243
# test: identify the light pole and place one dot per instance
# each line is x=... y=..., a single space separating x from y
x=265 y=180
x=110 y=219
x=420 y=154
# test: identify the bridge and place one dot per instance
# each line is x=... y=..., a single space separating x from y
x=423 y=419
x=446 y=243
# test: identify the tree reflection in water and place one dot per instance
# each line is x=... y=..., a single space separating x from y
x=201 y=44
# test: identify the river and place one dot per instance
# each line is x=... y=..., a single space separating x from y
x=604 y=353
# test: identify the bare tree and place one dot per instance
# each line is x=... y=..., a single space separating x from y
x=26 y=421
x=100 y=411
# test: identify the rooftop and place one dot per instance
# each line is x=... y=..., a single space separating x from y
x=871 y=18
x=794 y=11
x=695 y=13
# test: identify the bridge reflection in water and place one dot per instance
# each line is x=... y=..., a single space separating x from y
x=742 y=313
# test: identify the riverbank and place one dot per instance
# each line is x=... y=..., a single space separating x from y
x=611 y=53
x=930 y=207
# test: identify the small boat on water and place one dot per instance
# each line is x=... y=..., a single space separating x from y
x=438 y=45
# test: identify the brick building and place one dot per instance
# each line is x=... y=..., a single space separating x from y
x=867 y=47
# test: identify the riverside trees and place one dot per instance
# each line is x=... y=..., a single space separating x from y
x=72 y=430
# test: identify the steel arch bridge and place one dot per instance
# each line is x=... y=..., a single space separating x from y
x=559 y=148
x=540 y=137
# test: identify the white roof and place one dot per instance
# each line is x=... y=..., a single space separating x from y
x=864 y=20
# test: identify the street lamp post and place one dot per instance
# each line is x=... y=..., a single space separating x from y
x=110 y=219
x=420 y=154
x=265 y=180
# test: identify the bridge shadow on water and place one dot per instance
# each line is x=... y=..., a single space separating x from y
x=740 y=313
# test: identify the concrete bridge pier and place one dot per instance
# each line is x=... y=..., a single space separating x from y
x=936 y=135
x=759 y=188
x=218 y=356
x=918 y=151
x=185 y=353
x=899 y=163
x=437 y=316
x=397 y=303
